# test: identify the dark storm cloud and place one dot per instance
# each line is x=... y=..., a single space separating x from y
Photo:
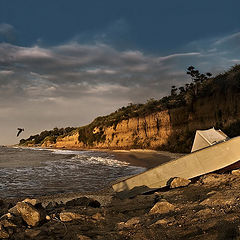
x=74 y=70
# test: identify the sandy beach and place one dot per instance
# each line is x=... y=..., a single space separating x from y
x=145 y=158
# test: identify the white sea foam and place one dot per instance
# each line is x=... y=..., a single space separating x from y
x=66 y=152
x=107 y=161
x=87 y=157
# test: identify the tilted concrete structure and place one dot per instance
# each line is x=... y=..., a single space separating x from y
x=210 y=159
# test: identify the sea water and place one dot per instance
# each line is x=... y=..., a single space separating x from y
x=35 y=172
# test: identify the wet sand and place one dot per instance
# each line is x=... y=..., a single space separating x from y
x=145 y=158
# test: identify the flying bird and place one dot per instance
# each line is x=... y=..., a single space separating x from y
x=19 y=131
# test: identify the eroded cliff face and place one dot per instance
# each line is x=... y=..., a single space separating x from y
x=147 y=132
x=171 y=129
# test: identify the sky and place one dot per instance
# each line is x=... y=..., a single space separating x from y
x=63 y=63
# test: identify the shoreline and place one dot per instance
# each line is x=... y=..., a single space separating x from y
x=143 y=158
x=146 y=158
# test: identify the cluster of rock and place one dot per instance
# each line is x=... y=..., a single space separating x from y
x=208 y=208
x=26 y=217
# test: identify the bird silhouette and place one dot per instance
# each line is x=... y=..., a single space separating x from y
x=19 y=131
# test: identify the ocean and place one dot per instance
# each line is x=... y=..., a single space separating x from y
x=26 y=172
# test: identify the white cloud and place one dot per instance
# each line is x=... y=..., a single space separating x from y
x=178 y=55
x=32 y=52
x=101 y=71
x=106 y=88
x=6 y=72
x=229 y=38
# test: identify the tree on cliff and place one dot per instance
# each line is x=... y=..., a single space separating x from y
x=198 y=79
x=174 y=91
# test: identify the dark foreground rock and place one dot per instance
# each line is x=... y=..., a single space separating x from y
x=206 y=209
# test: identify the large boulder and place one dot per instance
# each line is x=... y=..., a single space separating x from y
x=179 y=182
x=162 y=207
x=30 y=214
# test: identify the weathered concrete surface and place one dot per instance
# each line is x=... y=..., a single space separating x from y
x=189 y=166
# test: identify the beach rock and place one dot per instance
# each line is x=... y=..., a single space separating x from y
x=211 y=193
x=179 y=182
x=162 y=207
x=70 y=216
x=161 y=222
x=218 y=199
x=7 y=223
x=11 y=220
x=132 y=222
x=128 y=224
x=82 y=237
x=98 y=217
x=3 y=233
x=32 y=201
x=6 y=216
x=120 y=225
x=236 y=172
x=13 y=210
x=30 y=214
x=31 y=233
x=204 y=212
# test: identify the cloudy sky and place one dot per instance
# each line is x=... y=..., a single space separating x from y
x=63 y=63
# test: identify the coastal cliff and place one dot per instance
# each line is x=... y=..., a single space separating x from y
x=167 y=124
x=147 y=132
x=161 y=130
